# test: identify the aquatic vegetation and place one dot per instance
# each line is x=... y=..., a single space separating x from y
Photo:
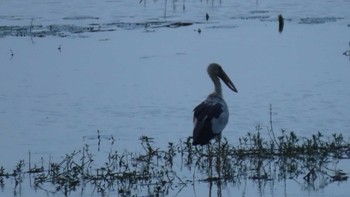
x=156 y=171
x=318 y=20
x=66 y=30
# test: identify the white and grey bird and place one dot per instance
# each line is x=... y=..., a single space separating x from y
x=211 y=116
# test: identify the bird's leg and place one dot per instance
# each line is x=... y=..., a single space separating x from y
x=218 y=157
x=210 y=161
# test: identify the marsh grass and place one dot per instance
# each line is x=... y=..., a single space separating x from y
x=158 y=171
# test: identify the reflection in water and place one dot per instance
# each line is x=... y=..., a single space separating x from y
x=268 y=162
x=163 y=172
x=214 y=180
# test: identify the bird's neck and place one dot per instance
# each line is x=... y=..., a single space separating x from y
x=217 y=85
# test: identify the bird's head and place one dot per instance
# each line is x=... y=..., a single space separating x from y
x=216 y=69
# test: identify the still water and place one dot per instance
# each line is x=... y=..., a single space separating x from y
x=133 y=68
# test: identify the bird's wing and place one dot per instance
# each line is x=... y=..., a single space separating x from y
x=207 y=110
x=205 y=115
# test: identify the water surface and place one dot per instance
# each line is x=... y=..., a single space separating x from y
x=128 y=72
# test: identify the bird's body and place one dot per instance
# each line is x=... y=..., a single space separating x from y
x=211 y=116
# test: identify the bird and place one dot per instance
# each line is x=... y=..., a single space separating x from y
x=211 y=116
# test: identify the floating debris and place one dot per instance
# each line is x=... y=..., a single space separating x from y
x=347 y=53
x=206 y=16
x=11 y=54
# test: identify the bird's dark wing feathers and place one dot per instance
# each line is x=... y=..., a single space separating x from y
x=206 y=109
x=203 y=114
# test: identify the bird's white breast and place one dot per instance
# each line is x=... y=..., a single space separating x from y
x=219 y=123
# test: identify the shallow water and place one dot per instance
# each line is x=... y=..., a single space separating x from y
x=142 y=77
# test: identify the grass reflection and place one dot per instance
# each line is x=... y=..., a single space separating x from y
x=160 y=172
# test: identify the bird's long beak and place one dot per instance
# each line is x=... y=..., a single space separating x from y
x=227 y=81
